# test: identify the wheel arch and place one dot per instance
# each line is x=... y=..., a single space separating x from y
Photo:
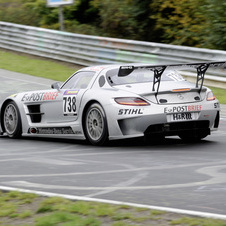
x=2 y=112
x=18 y=131
x=89 y=103
x=85 y=110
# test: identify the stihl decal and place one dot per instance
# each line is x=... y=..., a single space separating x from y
x=130 y=112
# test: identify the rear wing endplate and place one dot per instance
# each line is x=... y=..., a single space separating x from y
x=158 y=70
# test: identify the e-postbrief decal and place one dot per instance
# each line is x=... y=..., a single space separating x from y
x=187 y=108
x=40 y=96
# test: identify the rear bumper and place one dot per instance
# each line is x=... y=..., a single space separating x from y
x=175 y=128
x=158 y=124
x=168 y=120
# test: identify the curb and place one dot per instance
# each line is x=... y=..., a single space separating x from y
x=87 y=199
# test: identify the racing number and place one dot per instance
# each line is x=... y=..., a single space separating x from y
x=69 y=105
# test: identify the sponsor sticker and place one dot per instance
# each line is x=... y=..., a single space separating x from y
x=96 y=68
x=216 y=105
x=130 y=112
x=175 y=76
x=182 y=116
x=40 y=96
x=71 y=92
x=187 y=108
x=185 y=116
x=55 y=130
x=13 y=95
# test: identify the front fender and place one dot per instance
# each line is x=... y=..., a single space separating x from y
x=2 y=129
x=16 y=100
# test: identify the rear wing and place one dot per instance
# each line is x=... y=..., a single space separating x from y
x=158 y=70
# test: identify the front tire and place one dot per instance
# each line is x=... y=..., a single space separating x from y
x=12 y=120
x=95 y=125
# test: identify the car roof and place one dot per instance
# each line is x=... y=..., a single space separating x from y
x=110 y=66
x=99 y=67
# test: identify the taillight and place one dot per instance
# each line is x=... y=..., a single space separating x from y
x=210 y=96
x=131 y=101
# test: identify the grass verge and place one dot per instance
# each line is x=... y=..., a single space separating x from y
x=220 y=94
x=29 y=209
x=55 y=70
x=36 y=66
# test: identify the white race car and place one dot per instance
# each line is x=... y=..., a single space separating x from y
x=102 y=103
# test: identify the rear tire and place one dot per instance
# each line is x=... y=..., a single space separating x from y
x=95 y=125
x=12 y=120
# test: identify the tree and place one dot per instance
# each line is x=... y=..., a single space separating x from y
x=117 y=18
x=82 y=11
x=142 y=14
x=215 y=29
x=16 y=11
x=180 y=22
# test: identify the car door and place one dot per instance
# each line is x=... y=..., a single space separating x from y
x=66 y=106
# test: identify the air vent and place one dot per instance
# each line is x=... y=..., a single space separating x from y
x=197 y=98
x=34 y=113
x=163 y=101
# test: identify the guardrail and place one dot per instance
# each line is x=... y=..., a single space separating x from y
x=90 y=50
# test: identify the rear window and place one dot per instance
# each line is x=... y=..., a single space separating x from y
x=140 y=76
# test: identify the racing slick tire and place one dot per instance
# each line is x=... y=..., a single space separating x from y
x=11 y=120
x=194 y=136
x=95 y=125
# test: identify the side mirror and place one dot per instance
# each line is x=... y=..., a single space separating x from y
x=56 y=85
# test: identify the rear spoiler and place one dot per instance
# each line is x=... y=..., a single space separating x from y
x=158 y=70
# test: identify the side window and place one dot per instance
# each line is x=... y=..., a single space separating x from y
x=79 y=80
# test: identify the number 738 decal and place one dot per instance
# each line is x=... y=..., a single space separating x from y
x=69 y=105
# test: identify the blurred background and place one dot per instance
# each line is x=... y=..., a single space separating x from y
x=186 y=22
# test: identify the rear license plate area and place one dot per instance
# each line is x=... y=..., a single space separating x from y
x=184 y=116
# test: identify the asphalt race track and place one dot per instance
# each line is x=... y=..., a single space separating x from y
x=169 y=174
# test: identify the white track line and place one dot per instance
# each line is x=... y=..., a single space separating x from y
x=82 y=198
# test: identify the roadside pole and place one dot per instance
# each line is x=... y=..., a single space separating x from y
x=60 y=4
x=61 y=18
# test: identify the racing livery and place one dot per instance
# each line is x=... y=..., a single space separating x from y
x=102 y=103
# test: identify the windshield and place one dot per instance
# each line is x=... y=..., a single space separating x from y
x=140 y=76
